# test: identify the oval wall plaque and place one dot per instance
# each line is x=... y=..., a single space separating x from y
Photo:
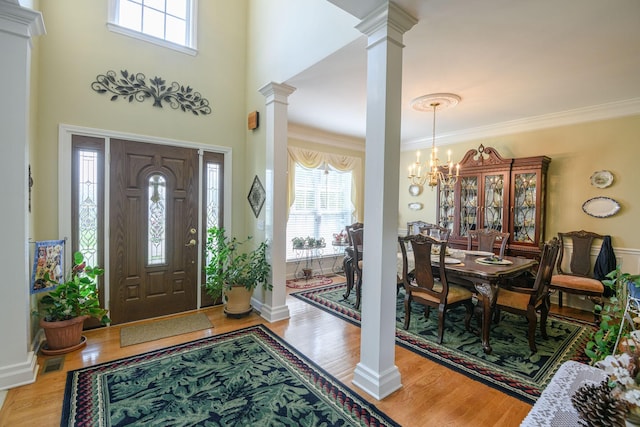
x=601 y=207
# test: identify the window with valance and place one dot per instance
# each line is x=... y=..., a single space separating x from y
x=323 y=194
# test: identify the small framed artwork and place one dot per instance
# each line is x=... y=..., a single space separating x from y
x=48 y=259
x=256 y=196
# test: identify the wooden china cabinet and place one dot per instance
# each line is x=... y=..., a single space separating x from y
x=503 y=194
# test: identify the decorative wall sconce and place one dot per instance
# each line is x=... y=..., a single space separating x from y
x=253 y=120
x=133 y=86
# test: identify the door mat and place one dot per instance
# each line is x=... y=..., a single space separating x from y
x=249 y=377
x=136 y=334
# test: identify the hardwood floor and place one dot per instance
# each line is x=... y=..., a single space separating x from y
x=431 y=395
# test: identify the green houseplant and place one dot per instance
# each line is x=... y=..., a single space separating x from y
x=234 y=273
x=64 y=309
x=603 y=340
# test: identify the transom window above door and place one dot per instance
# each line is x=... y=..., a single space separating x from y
x=169 y=23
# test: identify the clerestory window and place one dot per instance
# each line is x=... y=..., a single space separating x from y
x=169 y=23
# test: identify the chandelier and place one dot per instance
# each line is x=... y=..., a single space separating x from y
x=432 y=172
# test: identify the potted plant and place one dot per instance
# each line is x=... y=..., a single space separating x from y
x=234 y=273
x=298 y=242
x=64 y=310
x=603 y=340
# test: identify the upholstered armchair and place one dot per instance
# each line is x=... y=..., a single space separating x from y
x=578 y=279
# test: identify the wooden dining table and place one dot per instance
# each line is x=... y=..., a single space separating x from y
x=481 y=277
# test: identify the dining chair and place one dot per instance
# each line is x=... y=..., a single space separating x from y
x=485 y=239
x=579 y=278
x=527 y=301
x=414 y=227
x=347 y=264
x=356 y=236
x=435 y=231
x=424 y=288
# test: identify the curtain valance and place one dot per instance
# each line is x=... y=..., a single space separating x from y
x=314 y=159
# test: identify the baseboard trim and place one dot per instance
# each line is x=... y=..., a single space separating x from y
x=20 y=373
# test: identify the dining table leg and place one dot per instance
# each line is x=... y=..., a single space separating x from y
x=486 y=290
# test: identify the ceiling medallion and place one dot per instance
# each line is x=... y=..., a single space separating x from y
x=442 y=101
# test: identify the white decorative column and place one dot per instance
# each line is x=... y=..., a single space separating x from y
x=17 y=26
x=276 y=122
x=376 y=372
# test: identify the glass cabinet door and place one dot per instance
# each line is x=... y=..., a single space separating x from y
x=493 y=214
x=468 y=205
x=446 y=206
x=524 y=207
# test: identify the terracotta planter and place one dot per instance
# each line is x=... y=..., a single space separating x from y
x=238 y=301
x=64 y=336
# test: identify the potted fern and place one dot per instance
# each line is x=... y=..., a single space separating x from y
x=234 y=273
x=64 y=310
x=603 y=340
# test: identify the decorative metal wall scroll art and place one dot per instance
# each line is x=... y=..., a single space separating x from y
x=134 y=86
x=256 y=196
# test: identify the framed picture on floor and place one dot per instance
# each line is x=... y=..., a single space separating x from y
x=48 y=259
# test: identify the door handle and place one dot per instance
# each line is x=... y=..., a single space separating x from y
x=192 y=242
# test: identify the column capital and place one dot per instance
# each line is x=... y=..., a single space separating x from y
x=387 y=16
x=20 y=21
x=276 y=92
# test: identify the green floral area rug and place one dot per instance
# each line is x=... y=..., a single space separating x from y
x=248 y=377
x=510 y=367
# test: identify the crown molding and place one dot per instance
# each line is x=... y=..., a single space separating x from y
x=317 y=136
x=610 y=110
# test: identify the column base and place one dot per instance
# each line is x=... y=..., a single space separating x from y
x=378 y=385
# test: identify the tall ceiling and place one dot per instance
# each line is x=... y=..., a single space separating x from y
x=516 y=64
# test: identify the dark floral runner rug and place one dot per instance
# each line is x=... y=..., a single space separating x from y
x=249 y=377
x=511 y=368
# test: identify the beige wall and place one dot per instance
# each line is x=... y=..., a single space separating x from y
x=78 y=46
x=274 y=55
x=576 y=151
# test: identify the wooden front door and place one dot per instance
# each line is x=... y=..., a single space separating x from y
x=153 y=230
